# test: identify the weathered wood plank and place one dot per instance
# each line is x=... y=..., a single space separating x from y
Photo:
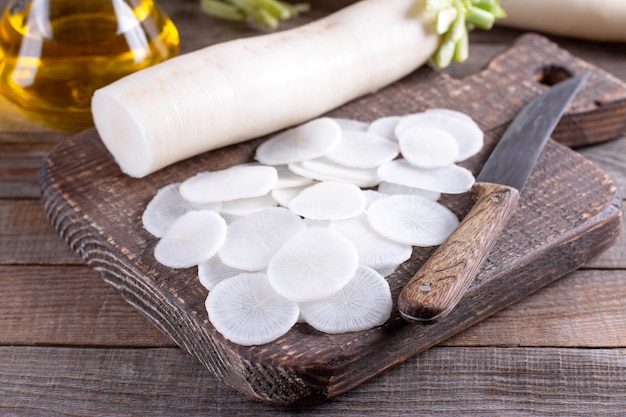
x=583 y=309
x=28 y=238
x=611 y=156
x=615 y=256
x=21 y=154
x=47 y=381
x=41 y=305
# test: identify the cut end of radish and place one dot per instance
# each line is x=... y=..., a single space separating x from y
x=120 y=133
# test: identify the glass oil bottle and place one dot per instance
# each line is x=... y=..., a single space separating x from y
x=55 y=53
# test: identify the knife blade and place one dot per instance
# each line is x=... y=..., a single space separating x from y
x=443 y=279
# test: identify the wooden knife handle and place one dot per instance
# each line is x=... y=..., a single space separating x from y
x=436 y=288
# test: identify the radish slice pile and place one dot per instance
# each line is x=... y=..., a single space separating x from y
x=309 y=232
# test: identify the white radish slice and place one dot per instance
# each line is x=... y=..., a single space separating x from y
x=451 y=179
x=213 y=271
x=363 y=150
x=246 y=310
x=317 y=223
x=288 y=179
x=312 y=265
x=166 y=206
x=374 y=249
x=252 y=240
x=246 y=206
x=306 y=141
x=468 y=135
x=351 y=124
x=365 y=302
x=389 y=188
x=386 y=270
x=238 y=181
x=323 y=169
x=284 y=195
x=329 y=200
x=371 y=196
x=229 y=217
x=428 y=147
x=385 y=127
x=193 y=238
x=412 y=220
x=451 y=113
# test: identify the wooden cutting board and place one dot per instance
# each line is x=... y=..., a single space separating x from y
x=569 y=213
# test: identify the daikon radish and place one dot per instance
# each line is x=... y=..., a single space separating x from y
x=601 y=20
x=245 y=88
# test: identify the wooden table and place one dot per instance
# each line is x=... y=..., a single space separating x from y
x=70 y=345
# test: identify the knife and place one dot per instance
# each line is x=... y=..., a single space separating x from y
x=443 y=279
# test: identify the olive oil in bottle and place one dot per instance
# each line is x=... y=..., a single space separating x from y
x=55 y=53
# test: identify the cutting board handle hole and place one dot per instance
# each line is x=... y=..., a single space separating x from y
x=552 y=74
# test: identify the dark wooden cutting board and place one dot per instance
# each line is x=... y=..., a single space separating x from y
x=569 y=213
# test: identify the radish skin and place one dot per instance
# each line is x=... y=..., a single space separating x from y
x=237 y=90
x=600 y=20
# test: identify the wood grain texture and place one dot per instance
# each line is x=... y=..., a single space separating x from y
x=443 y=279
x=442 y=381
x=570 y=215
x=21 y=154
x=28 y=238
x=583 y=309
x=55 y=317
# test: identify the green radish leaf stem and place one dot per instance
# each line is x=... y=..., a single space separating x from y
x=454 y=20
x=264 y=13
